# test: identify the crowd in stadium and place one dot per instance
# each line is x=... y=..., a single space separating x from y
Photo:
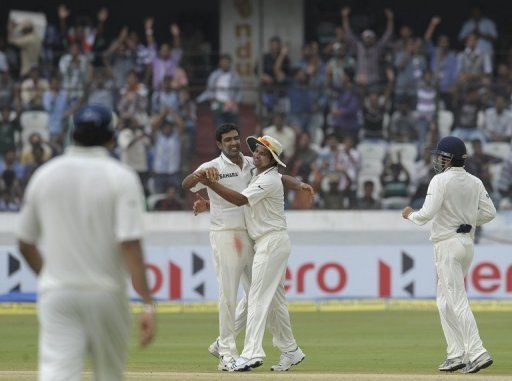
x=357 y=117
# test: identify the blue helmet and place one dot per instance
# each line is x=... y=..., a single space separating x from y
x=450 y=149
x=93 y=125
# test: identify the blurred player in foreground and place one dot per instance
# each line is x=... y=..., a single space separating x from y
x=233 y=251
x=87 y=211
x=457 y=203
x=266 y=226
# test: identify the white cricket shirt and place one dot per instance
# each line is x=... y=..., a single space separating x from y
x=223 y=214
x=265 y=212
x=81 y=205
x=454 y=197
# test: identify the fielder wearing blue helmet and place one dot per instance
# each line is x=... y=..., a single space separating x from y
x=93 y=125
x=450 y=152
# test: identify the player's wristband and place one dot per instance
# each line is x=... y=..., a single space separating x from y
x=148 y=308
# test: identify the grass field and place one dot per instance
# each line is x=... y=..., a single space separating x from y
x=380 y=345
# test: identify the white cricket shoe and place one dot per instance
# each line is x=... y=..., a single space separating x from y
x=225 y=364
x=451 y=365
x=243 y=364
x=214 y=348
x=289 y=359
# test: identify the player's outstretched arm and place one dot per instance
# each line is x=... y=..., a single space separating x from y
x=210 y=173
x=134 y=260
x=290 y=182
x=32 y=255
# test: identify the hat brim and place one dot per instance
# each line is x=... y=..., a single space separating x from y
x=252 y=142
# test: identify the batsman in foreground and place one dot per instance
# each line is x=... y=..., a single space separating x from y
x=87 y=209
x=456 y=202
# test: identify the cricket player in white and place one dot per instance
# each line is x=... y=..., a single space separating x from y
x=86 y=209
x=456 y=202
x=266 y=225
x=233 y=250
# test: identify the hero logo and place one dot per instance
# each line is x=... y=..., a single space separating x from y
x=334 y=271
x=385 y=276
x=486 y=277
x=175 y=276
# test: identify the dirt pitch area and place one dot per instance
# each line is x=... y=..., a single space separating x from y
x=175 y=376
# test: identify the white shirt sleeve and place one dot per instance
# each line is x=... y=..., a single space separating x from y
x=260 y=188
x=486 y=209
x=129 y=209
x=29 y=228
x=433 y=201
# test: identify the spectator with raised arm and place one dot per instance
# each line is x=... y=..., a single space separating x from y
x=369 y=49
x=274 y=74
x=121 y=57
x=166 y=63
x=443 y=63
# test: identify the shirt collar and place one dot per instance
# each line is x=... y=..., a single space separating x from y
x=228 y=161
x=266 y=171
x=95 y=151
x=457 y=169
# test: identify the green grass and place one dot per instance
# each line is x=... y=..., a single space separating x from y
x=348 y=342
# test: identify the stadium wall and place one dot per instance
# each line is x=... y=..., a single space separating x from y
x=335 y=255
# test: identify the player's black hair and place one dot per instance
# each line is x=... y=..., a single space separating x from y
x=223 y=129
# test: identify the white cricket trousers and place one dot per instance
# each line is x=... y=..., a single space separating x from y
x=73 y=324
x=268 y=269
x=453 y=257
x=232 y=256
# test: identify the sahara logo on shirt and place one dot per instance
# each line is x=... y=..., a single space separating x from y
x=225 y=175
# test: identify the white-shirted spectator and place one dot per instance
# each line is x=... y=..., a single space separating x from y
x=76 y=72
x=284 y=133
x=32 y=90
x=473 y=64
x=168 y=132
x=498 y=121
x=134 y=143
x=223 y=92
